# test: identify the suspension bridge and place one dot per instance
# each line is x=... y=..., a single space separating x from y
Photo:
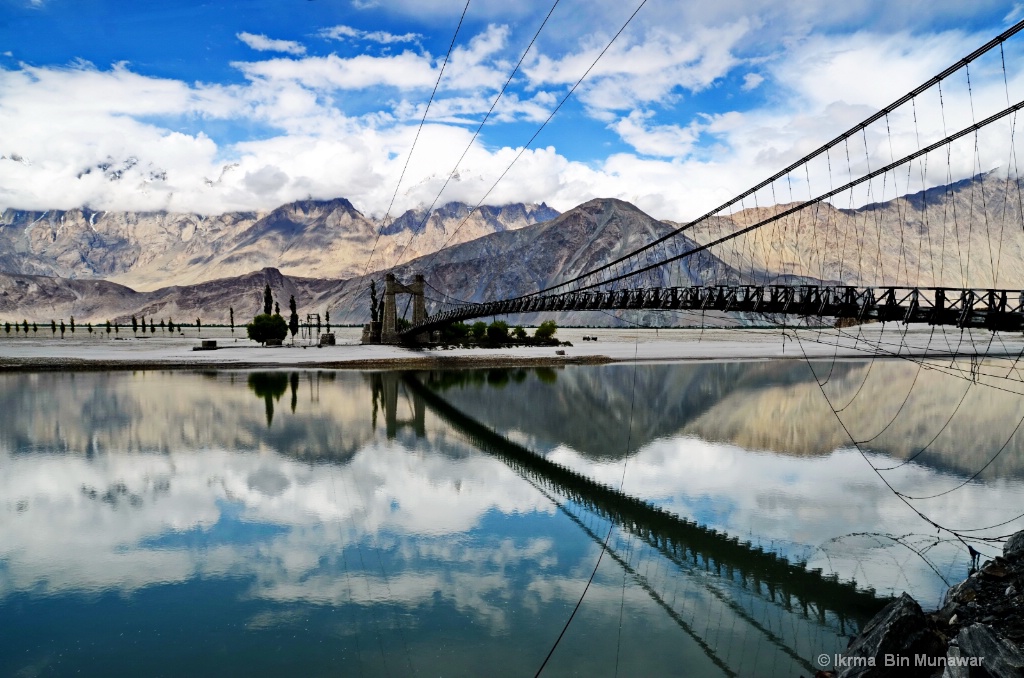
x=946 y=258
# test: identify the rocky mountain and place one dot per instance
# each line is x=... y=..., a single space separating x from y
x=965 y=234
x=968 y=233
x=309 y=238
x=511 y=262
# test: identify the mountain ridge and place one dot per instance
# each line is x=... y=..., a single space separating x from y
x=324 y=238
x=910 y=237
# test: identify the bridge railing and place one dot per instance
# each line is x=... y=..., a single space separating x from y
x=993 y=309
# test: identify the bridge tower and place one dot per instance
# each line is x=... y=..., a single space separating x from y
x=389 y=331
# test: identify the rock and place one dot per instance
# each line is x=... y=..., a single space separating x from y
x=961 y=593
x=1014 y=546
x=953 y=666
x=900 y=629
x=998 y=657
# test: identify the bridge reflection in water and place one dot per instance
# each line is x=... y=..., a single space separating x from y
x=743 y=606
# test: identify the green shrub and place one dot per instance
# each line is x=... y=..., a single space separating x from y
x=546 y=330
x=454 y=333
x=266 y=327
x=478 y=330
x=497 y=332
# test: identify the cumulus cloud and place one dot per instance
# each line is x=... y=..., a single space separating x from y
x=65 y=122
x=656 y=140
x=262 y=43
x=644 y=69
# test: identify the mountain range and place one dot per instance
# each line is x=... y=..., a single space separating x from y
x=99 y=266
x=311 y=238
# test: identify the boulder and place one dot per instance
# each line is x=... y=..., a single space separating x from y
x=999 y=659
x=899 y=629
x=1014 y=546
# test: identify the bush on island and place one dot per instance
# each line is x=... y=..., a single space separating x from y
x=266 y=327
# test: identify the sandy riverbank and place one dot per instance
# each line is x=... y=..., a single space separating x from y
x=82 y=351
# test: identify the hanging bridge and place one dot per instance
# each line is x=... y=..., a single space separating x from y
x=922 y=222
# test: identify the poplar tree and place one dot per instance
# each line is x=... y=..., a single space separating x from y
x=293 y=321
x=268 y=300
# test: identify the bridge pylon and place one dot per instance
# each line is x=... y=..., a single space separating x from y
x=392 y=288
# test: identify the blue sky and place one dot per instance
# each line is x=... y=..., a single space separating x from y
x=227 y=105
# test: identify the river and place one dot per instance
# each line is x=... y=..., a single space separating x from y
x=702 y=519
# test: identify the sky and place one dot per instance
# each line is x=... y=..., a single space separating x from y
x=232 y=105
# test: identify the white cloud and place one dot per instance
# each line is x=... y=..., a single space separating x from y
x=342 y=32
x=640 y=71
x=262 y=43
x=752 y=81
x=656 y=140
x=65 y=122
x=405 y=71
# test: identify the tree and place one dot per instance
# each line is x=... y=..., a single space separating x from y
x=454 y=333
x=231 y=316
x=497 y=332
x=163 y=325
x=7 y=327
x=478 y=330
x=135 y=324
x=199 y=326
x=266 y=327
x=374 y=309
x=170 y=325
x=35 y=328
x=109 y=328
x=53 y=326
x=24 y=326
x=327 y=320
x=519 y=333
x=62 y=328
x=293 y=320
x=152 y=327
x=546 y=330
x=277 y=308
x=87 y=325
x=72 y=324
x=268 y=300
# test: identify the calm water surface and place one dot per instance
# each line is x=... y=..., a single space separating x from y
x=448 y=523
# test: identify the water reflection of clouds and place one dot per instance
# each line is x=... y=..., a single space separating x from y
x=796 y=504
x=68 y=525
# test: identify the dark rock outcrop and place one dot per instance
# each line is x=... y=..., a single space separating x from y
x=978 y=632
x=899 y=630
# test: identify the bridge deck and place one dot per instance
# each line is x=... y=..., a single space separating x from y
x=993 y=309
